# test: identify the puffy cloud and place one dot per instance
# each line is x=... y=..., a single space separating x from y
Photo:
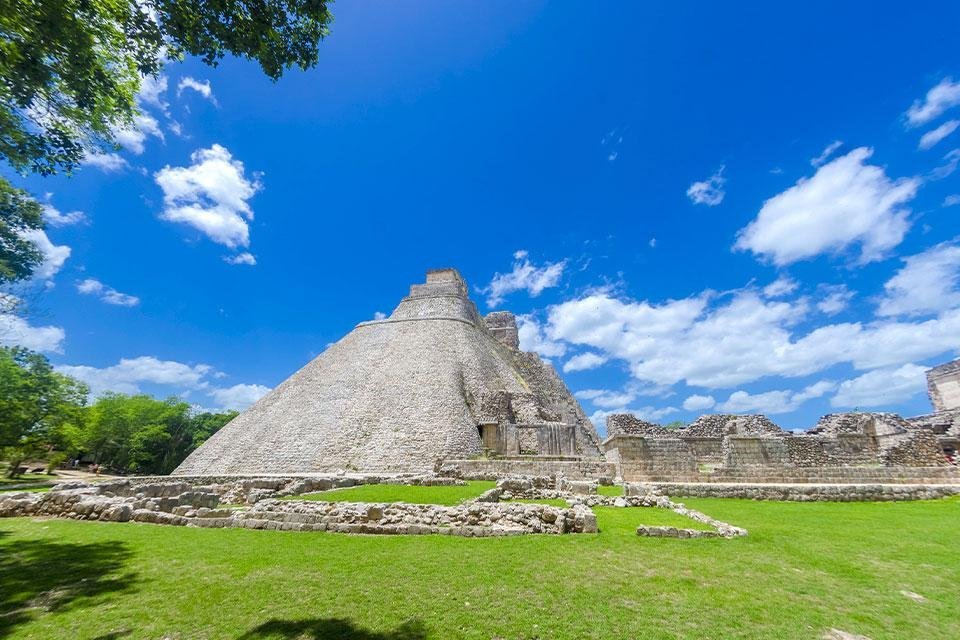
x=152 y=90
x=773 y=402
x=698 y=403
x=584 y=361
x=524 y=277
x=106 y=162
x=203 y=88
x=16 y=331
x=780 y=287
x=932 y=137
x=826 y=153
x=846 y=202
x=134 y=138
x=928 y=282
x=241 y=258
x=210 y=195
x=835 y=298
x=127 y=375
x=239 y=396
x=710 y=191
x=606 y=399
x=109 y=295
x=531 y=338
x=938 y=99
x=952 y=200
x=882 y=387
x=54 y=218
x=54 y=256
x=714 y=342
x=379 y=315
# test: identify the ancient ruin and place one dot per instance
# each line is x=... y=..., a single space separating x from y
x=431 y=382
x=845 y=448
x=436 y=388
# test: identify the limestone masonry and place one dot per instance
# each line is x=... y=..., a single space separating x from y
x=433 y=381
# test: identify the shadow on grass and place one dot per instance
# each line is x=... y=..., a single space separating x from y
x=37 y=576
x=332 y=629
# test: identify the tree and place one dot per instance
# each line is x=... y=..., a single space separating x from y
x=70 y=70
x=19 y=213
x=34 y=400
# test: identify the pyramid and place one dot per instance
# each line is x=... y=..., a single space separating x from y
x=403 y=393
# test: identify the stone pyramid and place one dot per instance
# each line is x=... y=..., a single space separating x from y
x=402 y=394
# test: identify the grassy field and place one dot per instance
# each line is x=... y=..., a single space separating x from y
x=451 y=495
x=26 y=479
x=804 y=568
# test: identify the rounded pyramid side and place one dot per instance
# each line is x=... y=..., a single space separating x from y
x=390 y=396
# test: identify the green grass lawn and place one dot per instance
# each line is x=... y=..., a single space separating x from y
x=451 y=495
x=803 y=568
x=26 y=479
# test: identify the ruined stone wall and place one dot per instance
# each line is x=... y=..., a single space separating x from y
x=494 y=469
x=808 y=493
x=748 y=451
x=943 y=385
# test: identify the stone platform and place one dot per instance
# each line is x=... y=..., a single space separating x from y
x=803 y=492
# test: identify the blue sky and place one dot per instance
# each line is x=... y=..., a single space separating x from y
x=751 y=211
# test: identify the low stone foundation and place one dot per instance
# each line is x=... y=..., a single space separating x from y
x=803 y=492
x=495 y=469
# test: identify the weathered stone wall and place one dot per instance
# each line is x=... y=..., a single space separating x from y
x=807 y=493
x=651 y=454
x=801 y=475
x=494 y=469
x=943 y=385
x=180 y=504
x=748 y=451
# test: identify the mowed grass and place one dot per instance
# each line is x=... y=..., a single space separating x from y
x=804 y=568
x=447 y=495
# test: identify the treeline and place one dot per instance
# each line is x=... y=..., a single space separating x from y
x=45 y=415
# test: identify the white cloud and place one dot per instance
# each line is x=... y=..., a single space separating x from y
x=531 y=338
x=827 y=152
x=698 y=403
x=710 y=191
x=203 y=88
x=15 y=331
x=932 y=137
x=720 y=342
x=606 y=399
x=952 y=200
x=210 y=195
x=54 y=218
x=940 y=98
x=846 y=202
x=951 y=161
x=780 y=287
x=773 y=402
x=524 y=277
x=241 y=258
x=239 y=396
x=653 y=243
x=127 y=375
x=54 y=256
x=835 y=298
x=109 y=295
x=379 y=315
x=106 y=162
x=134 y=138
x=650 y=414
x=584 y=361
x=882 y=387
x=928 y=282
x=152 y=89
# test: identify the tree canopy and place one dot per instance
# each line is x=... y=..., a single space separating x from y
x=70 y=71
x=42 y=412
